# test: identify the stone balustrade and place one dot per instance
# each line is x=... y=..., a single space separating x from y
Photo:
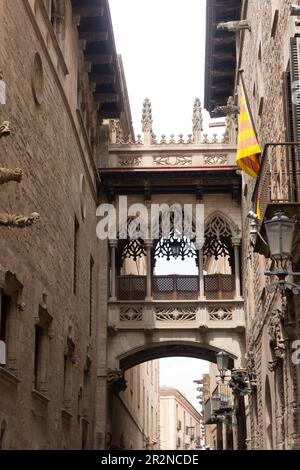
x=176 y=315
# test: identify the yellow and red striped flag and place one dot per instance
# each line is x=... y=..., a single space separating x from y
x=248 y=147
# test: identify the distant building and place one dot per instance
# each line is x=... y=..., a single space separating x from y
x=179 y=421
x=135 y=411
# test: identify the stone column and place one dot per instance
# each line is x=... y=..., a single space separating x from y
x=236 y=245
x=113 y=244
x=149 y=244
x=199 y=247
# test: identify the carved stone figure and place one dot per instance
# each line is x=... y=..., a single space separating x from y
x=251 y=367
x=234 y=26
x=276 y=333
x=4 y=129
x=230 y=109
x=115 y=380
x=7 y=174
x=20 y=221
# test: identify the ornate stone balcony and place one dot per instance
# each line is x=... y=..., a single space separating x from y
x=162 y=156
x=184 y=315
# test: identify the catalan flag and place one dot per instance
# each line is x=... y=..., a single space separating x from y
x=248 y=148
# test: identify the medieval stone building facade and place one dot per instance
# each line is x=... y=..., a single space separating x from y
x=62 y=79
x=255 y=45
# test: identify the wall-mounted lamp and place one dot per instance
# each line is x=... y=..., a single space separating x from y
x=294 y=10
x=280 y=234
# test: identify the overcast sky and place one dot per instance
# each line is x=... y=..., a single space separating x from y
x=162 y=43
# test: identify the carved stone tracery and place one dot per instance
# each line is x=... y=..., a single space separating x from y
x=131 y=314
x=176 y=314
x=176 y=160
x=220 y=159
x=220 y=314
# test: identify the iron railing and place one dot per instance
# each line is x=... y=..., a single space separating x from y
x=279 y=176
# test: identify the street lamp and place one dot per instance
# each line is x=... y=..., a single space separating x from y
x=222 y=364
x=280 y=234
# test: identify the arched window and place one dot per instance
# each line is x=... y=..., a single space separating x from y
x=56 y=14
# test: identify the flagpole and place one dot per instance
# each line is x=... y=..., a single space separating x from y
x=247 y=102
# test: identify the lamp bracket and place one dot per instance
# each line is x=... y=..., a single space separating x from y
x=282 y=283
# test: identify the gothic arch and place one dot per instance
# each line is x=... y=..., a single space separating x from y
x=227 y=221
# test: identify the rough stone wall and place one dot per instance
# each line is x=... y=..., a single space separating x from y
x=47 y=144
x=264 y=60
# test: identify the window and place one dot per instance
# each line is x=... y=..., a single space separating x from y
x=75 y=255
x=10 y=307
x=87 y=387
x=3 y=433
x=41 y=351
x=275 y=4
x=91 y=295
x=68 y=371
x=56 y=13
x=4 y=317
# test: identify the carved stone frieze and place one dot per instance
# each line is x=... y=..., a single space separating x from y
x=220 y=314
x=130 y=161
x=131 y=313
x=219 y=159
x=176 y=314
x=176 y=160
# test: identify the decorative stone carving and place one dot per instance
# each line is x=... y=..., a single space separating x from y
x=147 y=120
x=251 y=367
x=116 y=133
x=197 y=121
x=70 y=349
x=130 y=161
x=234 y=26
x=176 y=314
x=116 y=381
x=20 y=221
x=131 y=314
x=230 y=109
x=38 y=79
x=216 y=160
x=163 y=139
x=176 y=160
x=220 y=314
x=277 y=334
x=4 y=129
x=7 y=174
x=205 y=139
